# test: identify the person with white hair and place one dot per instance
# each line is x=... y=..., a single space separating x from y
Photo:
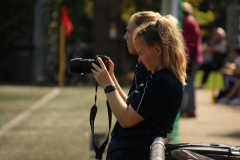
x=215 y=52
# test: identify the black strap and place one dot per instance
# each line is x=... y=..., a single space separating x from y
x=93 y=113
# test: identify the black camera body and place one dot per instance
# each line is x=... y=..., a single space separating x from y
x=80 y=66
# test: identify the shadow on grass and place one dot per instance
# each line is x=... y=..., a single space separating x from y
x=233 y=135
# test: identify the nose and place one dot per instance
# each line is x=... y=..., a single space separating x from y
x=139 y=59
x=125 y=36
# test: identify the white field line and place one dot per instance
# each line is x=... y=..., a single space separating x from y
x=24 y=114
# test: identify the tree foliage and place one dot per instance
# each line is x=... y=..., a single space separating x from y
x=17 y=21
x=210 y=14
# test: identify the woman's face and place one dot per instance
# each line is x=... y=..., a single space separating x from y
x=129 y=38
x=150 y=56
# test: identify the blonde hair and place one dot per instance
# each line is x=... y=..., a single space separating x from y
x=166 y=33
x=139 y=18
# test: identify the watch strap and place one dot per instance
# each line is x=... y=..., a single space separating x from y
x=109 y=89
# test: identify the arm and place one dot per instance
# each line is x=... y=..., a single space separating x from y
x=111 y=73
x=213 y=50
x=120 y=91
x=126 y=115
x=231 y=69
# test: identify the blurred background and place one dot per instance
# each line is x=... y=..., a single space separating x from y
x=30 y=35
x=41 y=121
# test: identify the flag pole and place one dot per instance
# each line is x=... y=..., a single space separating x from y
x=66 y=28
x=62 y=48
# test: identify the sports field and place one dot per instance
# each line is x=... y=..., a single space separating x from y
x=48 y=123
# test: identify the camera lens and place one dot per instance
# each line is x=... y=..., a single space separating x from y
x=79 y=65
x=75 y=65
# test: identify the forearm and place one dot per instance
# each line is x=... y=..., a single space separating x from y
x=118 y=106
x=120 y=91
x=125 y=115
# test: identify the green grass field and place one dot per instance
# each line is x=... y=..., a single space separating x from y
x=59 y=129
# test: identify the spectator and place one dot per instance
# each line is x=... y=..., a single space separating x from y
x=235 y=92
x=231 y=74
x=233 y=97
x=215 y=52
x=193 y=42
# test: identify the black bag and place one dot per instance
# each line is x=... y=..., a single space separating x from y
x=202 y=151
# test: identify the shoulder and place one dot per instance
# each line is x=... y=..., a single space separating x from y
x=190 y=22
x=164 y=78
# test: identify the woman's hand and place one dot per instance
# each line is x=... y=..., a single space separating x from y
x=101 y=74
x=110 y=67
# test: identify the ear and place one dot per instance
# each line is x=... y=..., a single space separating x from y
x=158 y=50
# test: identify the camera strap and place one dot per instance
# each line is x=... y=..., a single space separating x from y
x=93 y=113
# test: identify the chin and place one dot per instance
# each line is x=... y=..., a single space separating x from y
x=132 y=52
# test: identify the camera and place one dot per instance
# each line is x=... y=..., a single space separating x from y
x=80 y=66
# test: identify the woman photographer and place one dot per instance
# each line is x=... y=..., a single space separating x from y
x=141 y=72
x=151 y=113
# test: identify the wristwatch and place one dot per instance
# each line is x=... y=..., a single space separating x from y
x=109 y=89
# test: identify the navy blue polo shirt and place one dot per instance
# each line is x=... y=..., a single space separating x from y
x=158 y=103
x=141 y=73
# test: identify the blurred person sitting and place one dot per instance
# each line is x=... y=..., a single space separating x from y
x=235 y=92
x=233 y=97
x=215 y=52
x=231 y=73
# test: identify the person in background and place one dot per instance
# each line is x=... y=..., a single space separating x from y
x=215 y=52
x=152 y=111
x=231 y=73
x=193 y=43
x=235 y=92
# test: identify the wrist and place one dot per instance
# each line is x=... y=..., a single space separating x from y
x=109 y=88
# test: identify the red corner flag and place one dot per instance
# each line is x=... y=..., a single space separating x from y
x=66 y=22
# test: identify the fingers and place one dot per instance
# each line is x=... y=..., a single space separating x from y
x=96 y=67
x=110 y=62
x=94 y=72
x=101 y=62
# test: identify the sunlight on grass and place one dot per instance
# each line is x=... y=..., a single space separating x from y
x=59 y=130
